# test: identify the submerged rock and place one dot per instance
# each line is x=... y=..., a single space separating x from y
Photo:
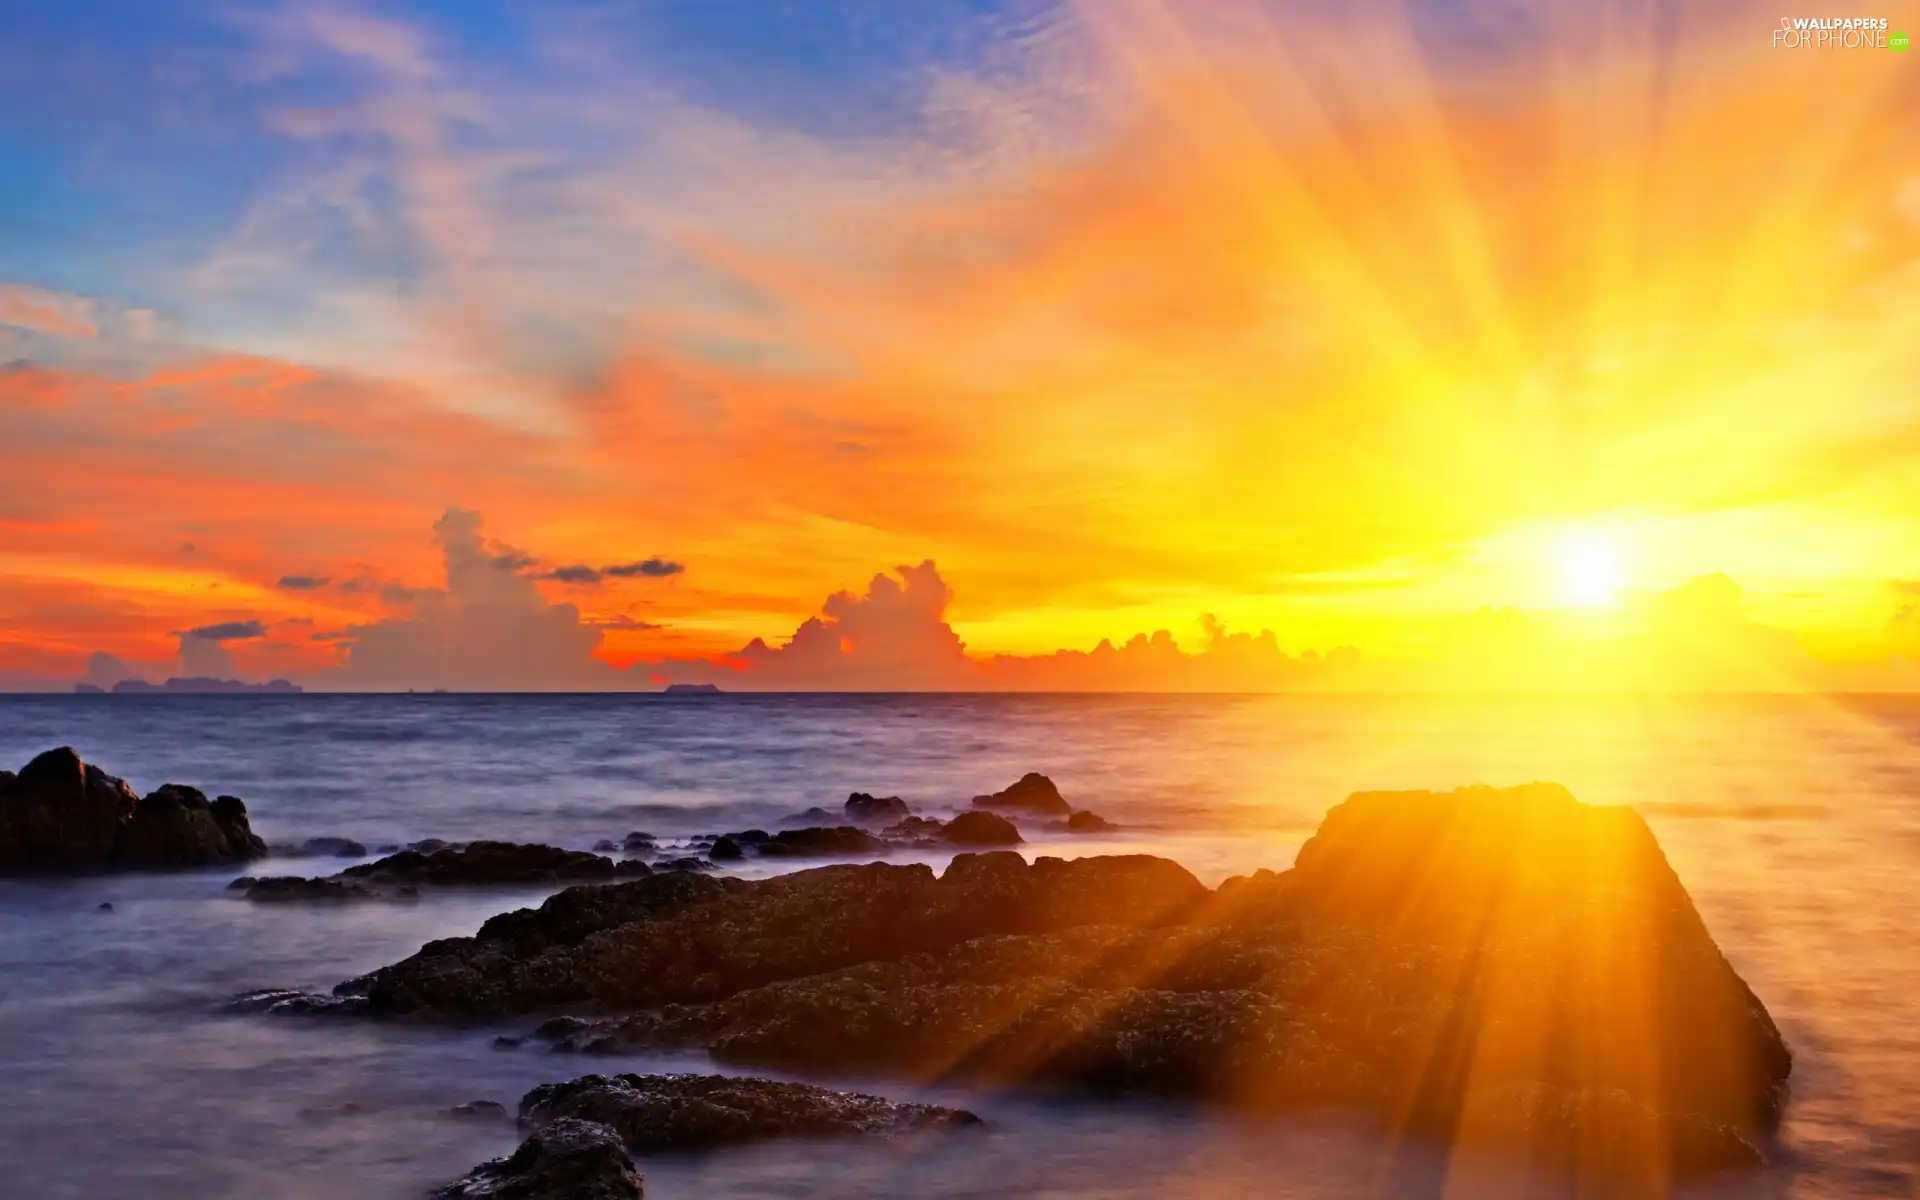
x=821 y=842
x=477 y=864
x=725 y=849
x=327 y=847
x=981 y=829
x=492 y=863
x=275 y=889
x=1032 y=792
x=63 y=815
x=876 y=810
x=1089 y=822
x=699 y=1112
x=479 y=1109
x=563 y=1160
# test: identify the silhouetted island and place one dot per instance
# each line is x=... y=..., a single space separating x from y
x=198 y=685
x=692 y=689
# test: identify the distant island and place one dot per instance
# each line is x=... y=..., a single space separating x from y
x=198 y=685
x=692 y=689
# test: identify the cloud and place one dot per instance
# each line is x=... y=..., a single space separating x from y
x=224 y=631
x=652 y=568
x=487 y=628
x=104 y=670
x=301 y=583
x=622 y=623
x=60 y=314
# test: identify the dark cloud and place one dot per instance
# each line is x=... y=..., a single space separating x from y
x=225 y=631
x=302 y=583
x=626 y=623
x=652 y=568
x=578 y=573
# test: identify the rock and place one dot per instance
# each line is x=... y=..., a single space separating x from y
x=563 y=1160
x=606 y=846
x=751 y=837
x=329 y=847
x=507 y=1042
x=293 y=1002
x=1499 y=968
x=106 y=906
x=485 y=1109
x=876 y=810
x=684 y=938
x=687 y=862
x=1517 y=971
x=637 y=840
x=822 y=841
x=277 y=889
x=725 y=849
x=915 y=829
x=488 y=863
x=62 y=815
x=981 y=828
x=1032 y=792
x=815 y=816
x=230 y=814
x=430 y=845
x=1089 y=822
x=174 y=827
x=654 y=1113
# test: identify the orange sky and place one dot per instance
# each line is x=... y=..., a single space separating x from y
x=1577 y=353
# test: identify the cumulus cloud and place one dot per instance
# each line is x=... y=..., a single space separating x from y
x=487 y=628
x=104 y=670
x=203 y=650
x=895 y=637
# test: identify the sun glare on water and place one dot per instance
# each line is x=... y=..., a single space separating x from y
x=1592 y=570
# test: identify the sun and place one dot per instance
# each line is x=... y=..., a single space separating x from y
x=1591 y=568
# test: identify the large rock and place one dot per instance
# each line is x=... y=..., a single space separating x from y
x=698 y=1112
x=864 y=809
x=479 y=864
x=981 y=829
x=1032 y=792
x=1484 y=967
x=823 y=842
x=63 y=815
x=681 y=938
x=563 y=1160
x=1499 y=967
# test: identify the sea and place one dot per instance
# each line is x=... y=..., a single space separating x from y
x=1793 y=821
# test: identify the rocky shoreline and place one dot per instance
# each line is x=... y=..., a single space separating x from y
x=1500 y=969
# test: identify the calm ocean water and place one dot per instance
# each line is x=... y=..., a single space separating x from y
x=1795 y=823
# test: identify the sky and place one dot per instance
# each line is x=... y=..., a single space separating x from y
x=1121 y=344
